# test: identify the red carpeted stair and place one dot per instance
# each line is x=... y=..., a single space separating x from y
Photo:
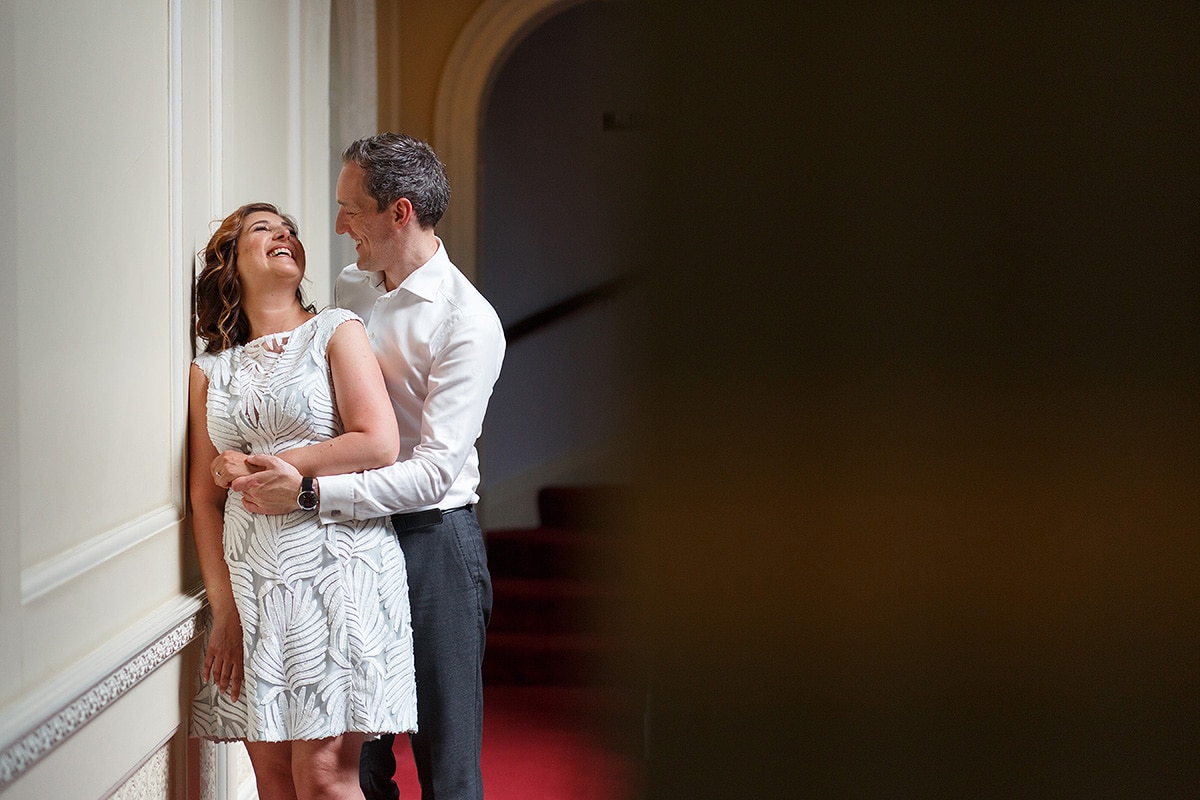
x=562 y=719
x=556 y=595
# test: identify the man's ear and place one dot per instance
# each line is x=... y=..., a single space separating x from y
x=402 y=212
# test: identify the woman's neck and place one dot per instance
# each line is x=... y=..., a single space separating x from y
x=275 y=315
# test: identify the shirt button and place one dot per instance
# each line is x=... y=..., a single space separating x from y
x=335 y=513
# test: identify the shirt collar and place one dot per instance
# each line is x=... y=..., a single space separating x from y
x=425 y=280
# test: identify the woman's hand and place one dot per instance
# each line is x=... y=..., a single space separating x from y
x=229 y=466
x=224 y=657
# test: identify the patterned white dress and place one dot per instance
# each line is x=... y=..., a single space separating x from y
x=324 y=608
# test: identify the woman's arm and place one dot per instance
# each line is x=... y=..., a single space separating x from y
x=224 y=657
x=370 y=438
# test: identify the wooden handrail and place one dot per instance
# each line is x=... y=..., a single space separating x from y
x=563 y=308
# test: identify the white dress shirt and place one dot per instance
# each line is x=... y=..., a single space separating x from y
x=440 y=345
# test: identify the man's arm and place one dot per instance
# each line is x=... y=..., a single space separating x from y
x=460 y=383
x=369 y=439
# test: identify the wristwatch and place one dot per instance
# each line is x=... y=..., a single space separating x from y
x=308 y=498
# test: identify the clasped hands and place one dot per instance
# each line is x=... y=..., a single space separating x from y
x=268 y=484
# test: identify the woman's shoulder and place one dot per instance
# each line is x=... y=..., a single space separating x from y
x=215 y=366
x=329 y=320
x=206 y=360
x=333 y=316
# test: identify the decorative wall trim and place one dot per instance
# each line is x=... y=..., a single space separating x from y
x=49 y=733
x=209 y=770
x=495 y=29
x=225 y=772
x=151 y=780
x=47 y=575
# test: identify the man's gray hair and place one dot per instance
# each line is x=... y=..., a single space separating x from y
x=397 y=165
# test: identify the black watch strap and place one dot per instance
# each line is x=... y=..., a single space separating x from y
x=307 y=500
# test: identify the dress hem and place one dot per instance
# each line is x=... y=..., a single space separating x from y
x=370 y=736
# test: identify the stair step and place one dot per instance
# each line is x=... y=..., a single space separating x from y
x=558 y=598
x=549 y=659
x=559 y=553
x=550 y=588
x=587 y=643
x=553 y=606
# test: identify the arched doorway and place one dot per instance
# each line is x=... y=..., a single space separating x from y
x=492 y=33
x=556 y=166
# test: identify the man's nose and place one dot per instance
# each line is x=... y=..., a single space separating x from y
x=339 y=223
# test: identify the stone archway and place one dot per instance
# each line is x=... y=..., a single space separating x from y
x=489 y=36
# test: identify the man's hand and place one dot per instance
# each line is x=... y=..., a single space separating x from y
x=272 y=488
x=228 y=467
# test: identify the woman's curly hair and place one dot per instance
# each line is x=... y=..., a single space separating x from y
x=220 y=321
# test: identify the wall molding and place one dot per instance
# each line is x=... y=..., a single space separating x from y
x=216 y=107
x=295 y=109
x=181 y=261
x=151 y=779
x=53 y=572
x=39 y=732
x=488 y=38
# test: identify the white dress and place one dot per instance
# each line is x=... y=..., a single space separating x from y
x=324 y=608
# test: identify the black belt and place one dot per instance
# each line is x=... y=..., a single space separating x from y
x=421 y=519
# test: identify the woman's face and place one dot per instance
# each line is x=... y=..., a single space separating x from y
x=268 y=248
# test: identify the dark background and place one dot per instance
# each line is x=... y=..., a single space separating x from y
x=918 y=398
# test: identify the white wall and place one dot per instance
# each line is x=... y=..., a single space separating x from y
x=122 y=137
x=561 y=213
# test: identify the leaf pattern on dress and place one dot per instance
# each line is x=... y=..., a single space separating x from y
x=324 y=608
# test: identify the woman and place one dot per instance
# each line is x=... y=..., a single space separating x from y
x=310 y=646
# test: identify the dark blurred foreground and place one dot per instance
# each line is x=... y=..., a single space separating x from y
x=920 y=429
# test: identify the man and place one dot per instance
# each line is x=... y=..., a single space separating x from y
x=440 y=345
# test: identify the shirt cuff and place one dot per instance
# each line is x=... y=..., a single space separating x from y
x=337 y=498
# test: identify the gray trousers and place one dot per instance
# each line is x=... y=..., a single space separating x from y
x=450 y=591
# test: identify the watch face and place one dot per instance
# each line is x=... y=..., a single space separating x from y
x=308 y=495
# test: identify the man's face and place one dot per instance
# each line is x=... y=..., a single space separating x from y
x=372 y=230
